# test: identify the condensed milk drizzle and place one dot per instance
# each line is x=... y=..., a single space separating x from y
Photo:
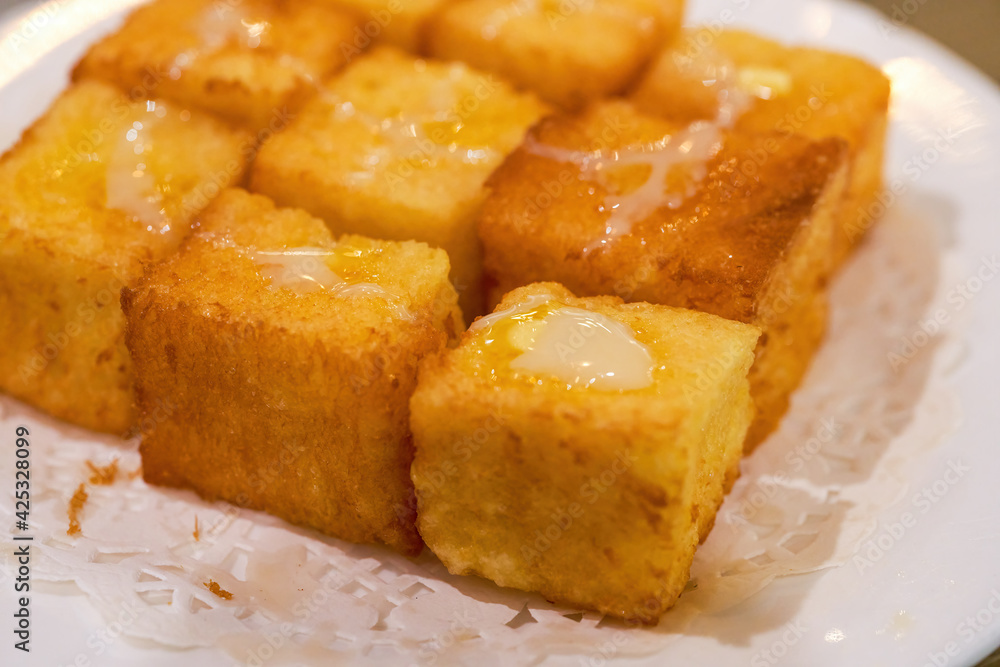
x=304 y=270
x=690 y=148
x=545 y=340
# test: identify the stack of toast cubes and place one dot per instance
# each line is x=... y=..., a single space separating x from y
x=399 y=148
x=254 y=233
x=753 y=248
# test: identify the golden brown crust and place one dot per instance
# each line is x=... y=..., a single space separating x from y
x=811 y=92
x=751 y=243
x=395 y=22
x=202 y=53
x=65 y=253
x=293 y=404
x=540 y=488
x=570 y=54
x=716 y=252
x=424 y=187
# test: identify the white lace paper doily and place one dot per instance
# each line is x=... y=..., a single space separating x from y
x=807 y=499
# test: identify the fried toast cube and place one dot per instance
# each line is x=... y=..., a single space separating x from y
x=399 y=148
x=593 y=449
x=253 y=62
x=396 y=22
x=287 y=359
x=95 y=189
x=789 y=90
x=567 y=52
x=612 y=201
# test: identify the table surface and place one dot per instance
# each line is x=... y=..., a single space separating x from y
x=969 y=28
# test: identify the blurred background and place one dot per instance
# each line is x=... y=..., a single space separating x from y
x=970 y=28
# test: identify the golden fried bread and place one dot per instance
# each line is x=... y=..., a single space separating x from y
x=789 y=90
x=593 y=448
x=253 y=62
x=396 y=22
x=96 y=188
x=567 y=52
x=287 y=360
x=399 y=148
x=609 y=202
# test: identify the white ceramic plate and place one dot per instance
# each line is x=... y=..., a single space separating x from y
x=933 y=597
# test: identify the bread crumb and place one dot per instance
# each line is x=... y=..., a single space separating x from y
x=103 y=476
x=135 y=473
x=218 y=590
x=196 y=533
x=76 y=504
